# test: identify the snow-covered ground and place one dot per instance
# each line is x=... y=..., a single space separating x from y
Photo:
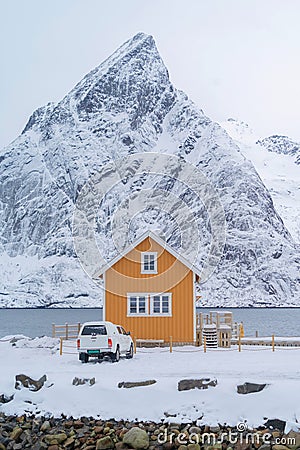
x=220 y=404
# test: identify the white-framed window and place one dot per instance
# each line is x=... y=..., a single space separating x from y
x=149 y=262
x=161 y=304
x=137 y=304
x=149 y=304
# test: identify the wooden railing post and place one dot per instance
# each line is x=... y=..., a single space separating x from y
x=256 y=333
x=240 y=343
x=273 y=343
x=134 y=345
x=60 y=346
x=67 y=331
x=78 y=327
x=171 y=344
x=204 y=348
x=53 y=331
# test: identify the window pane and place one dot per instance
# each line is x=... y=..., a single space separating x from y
x=165 y=304
x=142 y=305
x=93 y=330
x=146 y=262
x=156 y=304
x=133 y=305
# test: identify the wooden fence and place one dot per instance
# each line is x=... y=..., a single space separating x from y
x=66 y=331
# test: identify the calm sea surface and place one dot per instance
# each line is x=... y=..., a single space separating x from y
x=37 y=322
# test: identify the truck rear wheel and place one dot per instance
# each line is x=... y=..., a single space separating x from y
x=116 y=356
x=83 y=357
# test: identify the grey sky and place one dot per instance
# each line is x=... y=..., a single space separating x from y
x=234 y=58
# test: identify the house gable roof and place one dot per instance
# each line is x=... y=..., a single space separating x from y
x=135 y=243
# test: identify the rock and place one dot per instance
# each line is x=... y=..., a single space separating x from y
x=275 y=424
x=69 y=442
x=195 y=430
x=6 y=399
x=215 y=429
x=292 y=435
x=280 y=447
x=53 y=447
x=105 y=443
x=193 y=447
x=18 y=446
x=136 y=438
x=132 y=384
x=16 y=433
x=249 y=388
x=2 y=446
x=39 y=446
x=81 y=381
x=202 y=383
x=167 y=414
x=182 y=447
x=59 y=438
x=27 y=382
x=78 y=424
x=45 y=426
x=243 y=445
x=120 y=446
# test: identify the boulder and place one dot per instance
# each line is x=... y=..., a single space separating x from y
x=16 y=433
x=29 y=383
x=6 y=399
x=45 y=426
x=249 y=388
x=105 y=443
x=193 y=447
x=132 y=384
x=275 y=424
x=136 y=438
x=80 y=381
x=202 y=383
x=56 y=438
x=295 y=435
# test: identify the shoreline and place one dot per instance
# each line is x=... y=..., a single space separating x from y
x=41 y=432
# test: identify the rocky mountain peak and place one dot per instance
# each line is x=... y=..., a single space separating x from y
x=128 y=105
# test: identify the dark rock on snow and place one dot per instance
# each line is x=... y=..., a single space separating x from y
x=249 y=388
x=132 y=384
x=202 y=383
x=29 y=383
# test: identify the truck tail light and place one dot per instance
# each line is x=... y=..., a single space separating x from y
x=78 y=344
x=109 y=342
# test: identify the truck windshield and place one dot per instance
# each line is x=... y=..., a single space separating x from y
x=93 y=330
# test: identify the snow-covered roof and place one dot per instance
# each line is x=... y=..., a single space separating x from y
x=140 y=239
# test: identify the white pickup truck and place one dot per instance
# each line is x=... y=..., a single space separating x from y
x=100 y=339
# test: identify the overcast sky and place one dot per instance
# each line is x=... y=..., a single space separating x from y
x=234 y=58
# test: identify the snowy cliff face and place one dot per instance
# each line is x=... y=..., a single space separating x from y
x=276 y=159
x=124 y=106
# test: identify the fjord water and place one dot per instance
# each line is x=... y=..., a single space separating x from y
x=38 y=322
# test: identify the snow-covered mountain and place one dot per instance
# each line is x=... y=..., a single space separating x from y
x=276 y=159
x=124 y=106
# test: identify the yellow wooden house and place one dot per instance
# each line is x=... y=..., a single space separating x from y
x=150 y=290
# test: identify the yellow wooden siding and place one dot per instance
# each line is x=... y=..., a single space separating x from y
x=173 y=276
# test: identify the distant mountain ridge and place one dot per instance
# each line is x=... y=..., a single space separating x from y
x=128 y=105
x=276 y=159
